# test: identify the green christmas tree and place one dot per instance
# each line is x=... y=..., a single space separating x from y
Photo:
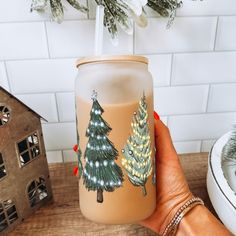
x=137 y=152
x=101 y=171
x=79 y=153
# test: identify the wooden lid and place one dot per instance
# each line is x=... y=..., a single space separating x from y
x=107 y=58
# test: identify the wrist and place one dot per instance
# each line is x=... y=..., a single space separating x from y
x=200 y=220
x=172 y=208
x=186 y=225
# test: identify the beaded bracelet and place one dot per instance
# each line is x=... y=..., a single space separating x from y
x=171 y=228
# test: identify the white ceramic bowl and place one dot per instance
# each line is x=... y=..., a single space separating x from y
x=221 y=195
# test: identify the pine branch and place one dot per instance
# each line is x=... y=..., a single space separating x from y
x=109 y=22
x=78 y=6
x=166 y=8
x=57 y=10
x=38 y=5
x=115 y=13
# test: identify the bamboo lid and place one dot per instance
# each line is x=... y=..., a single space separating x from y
x=108 y=58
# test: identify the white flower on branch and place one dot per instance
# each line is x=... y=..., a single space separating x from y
x=141 y=20
x=135 y=5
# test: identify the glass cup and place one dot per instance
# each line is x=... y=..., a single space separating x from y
x=115 y=130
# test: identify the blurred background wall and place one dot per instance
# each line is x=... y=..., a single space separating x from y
x=193 y=65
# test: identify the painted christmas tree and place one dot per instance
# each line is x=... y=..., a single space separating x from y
x=137 y=152
x=101 y=171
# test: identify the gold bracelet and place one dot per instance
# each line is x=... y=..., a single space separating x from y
x=171 y=228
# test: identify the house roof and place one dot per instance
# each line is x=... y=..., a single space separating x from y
x=9 y=94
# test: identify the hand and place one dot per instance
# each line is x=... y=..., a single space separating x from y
x=172 y=187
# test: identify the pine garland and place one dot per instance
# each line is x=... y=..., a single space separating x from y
x=120 y=12
x=166 y=8
x=115 y=13
x=56 y=7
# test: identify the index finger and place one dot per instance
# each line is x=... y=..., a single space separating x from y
x=163 y=141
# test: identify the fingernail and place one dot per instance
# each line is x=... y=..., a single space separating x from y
x=156 y=116
x=75 y=171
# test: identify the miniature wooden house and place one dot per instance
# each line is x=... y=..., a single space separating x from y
x=24 y=174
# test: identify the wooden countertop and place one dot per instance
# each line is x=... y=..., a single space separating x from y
x=63 y=216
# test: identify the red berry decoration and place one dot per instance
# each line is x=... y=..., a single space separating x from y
x=75 y=148
x=76 y=171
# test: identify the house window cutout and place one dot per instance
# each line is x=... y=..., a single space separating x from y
x=3 y=172
x=28 y=148
x=4 y=115
x=37 y=191
x=8 y=214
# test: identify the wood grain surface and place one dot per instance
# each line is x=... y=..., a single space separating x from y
x=63 y=216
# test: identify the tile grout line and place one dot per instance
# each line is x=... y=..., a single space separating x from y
x=194 y=84
x=60 y=122
x=134 y=33
x=57 y=150
x=168 y=116
x=57 y=107
x=209 y=51
x=216 y=33
x=47 y=41
x=92 y=19
x=148 y=54
x=7 y=75
x=63 y=157
x=44 y=92
x=167 y=121
x=155 y=87
x=45 y=20
x=208 y=98
x=171 y=70
x=201 y=145
x=199 y=114
x=194 y=140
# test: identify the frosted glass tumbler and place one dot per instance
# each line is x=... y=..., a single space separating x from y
x=115 y=130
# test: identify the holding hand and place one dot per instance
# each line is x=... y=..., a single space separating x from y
x=173 y=192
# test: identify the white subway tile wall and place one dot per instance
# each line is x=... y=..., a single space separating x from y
x=160 y=68
x=172 y=100
x=204 y=68
x=188 y=147
x=69 y=156
x=203 y=126
x=54 y=156
x=226 y=33
x=43 y=103
x=25 y=40
x=187 y=34
x=59 y=136
x=3 y=77
x=66 y=106
x=209 y=7
x=19 y=11
x=207 y=145
x=222 y=97
x=192 y=63
x=40 y=76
